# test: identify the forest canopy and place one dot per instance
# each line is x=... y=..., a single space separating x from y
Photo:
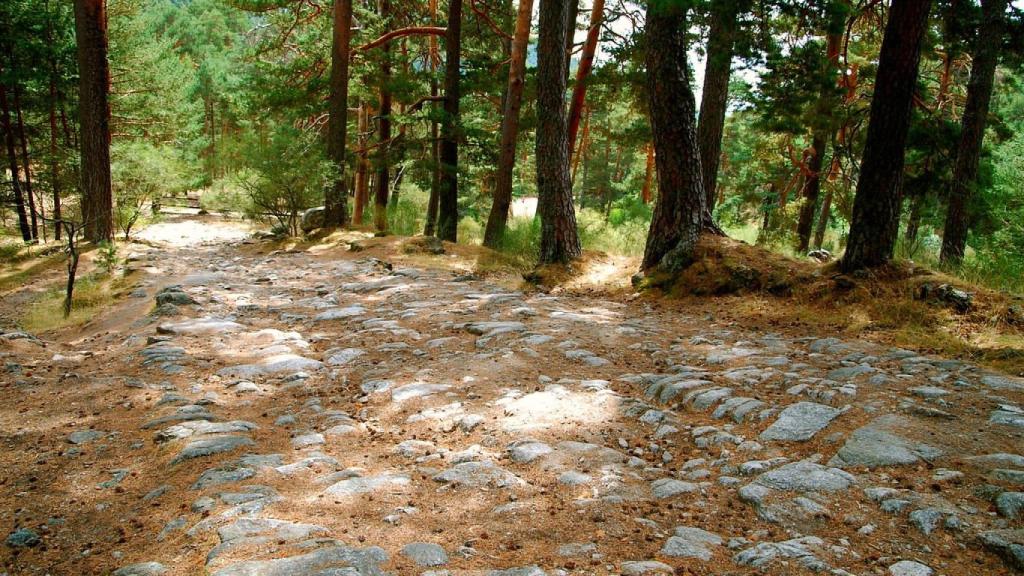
x=882 y=129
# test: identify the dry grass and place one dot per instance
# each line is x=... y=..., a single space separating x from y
x=92 y=294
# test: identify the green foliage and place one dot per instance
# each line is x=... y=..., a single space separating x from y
x=106 y=258
x=287 y=175
x=142 y=174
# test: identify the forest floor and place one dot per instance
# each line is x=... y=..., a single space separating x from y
x=361 y=406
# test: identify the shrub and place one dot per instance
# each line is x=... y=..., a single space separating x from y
x=141 y=174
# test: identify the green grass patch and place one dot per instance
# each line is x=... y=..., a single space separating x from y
x=92 y=294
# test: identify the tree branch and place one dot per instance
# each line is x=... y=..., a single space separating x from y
x=402 y=32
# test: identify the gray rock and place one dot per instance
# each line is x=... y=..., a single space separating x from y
x=489 y=329
x=689 y=542
x=669 y=487
x=330 y=561
x=1009 y=544
x=210 y=446
x=577 y=549
x=312 y=219
x=343 y=357
x=645 y=568
x=999 y=382
x=1010 y=504
x=478 y=475
x=340 y=313
x=425 y=554
x=217 y=476
x=909 y=568
x=806 y=476
x=85 y=436
x=875 y=446
x=523 y=451
x=523 y=571
x=926 y=519
x=23 y=538
x=797 y=549
x=410 y=391
x=366 y=484
x=200 y=327
x=800 y=421
x=141 y=569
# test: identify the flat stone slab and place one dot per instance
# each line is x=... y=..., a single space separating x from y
x=209 y=446
x=272 y=365
x=141 y=569
x=909 y=568
x=366 y=484
x=669 y=487
x=343 y=357
x=200 y=327
x=425 y=554
x=800 y=421
x=806 y=476
x=1009 y=544
x=876 y=446
x=277 y=529
x=410 y=391
x=488 y=329
x=332 y=560
x=690 y=542
x=478 y=475
x=340 y=313
x=645 y=568
x=999 y=382
x=524 y=451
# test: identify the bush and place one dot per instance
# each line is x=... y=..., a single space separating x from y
x=286 y=175
x=141 y=174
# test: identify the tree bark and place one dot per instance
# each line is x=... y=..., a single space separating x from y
x=715 y=95
x=430 y=228
x=572 y=14
x=579 y=90
x=55 y=183
x=12 y=158
x=94 y=119
x=502 y=200
x=647 y=193
x=336 y=201
x=362 y=191
x=681 y=213
x=559 y=240
x=448 y=194
x=26 y=165
x=823 y=218
x=876 y=206
x=972 y=131
x=383 y=178
x=823 y=131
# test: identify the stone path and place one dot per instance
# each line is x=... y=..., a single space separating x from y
x=293 y=414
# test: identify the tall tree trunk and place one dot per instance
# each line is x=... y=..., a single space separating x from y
x=383 y=179
x=823 y=131
x=362 y=165
x=646 y=194
x=826 y=203
x=914 y=218
x=715 y=95
x=435 y=169
x=972 y=132
x=12 y=159
x=579 y=91
x=32 y=211
x=94 y=118
x=572 y=14
x=448 y=195
x=502 y=201
x=54 y=163
x=681 y=213
x=559 y=239
x=876 y=206
x=336 y=201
